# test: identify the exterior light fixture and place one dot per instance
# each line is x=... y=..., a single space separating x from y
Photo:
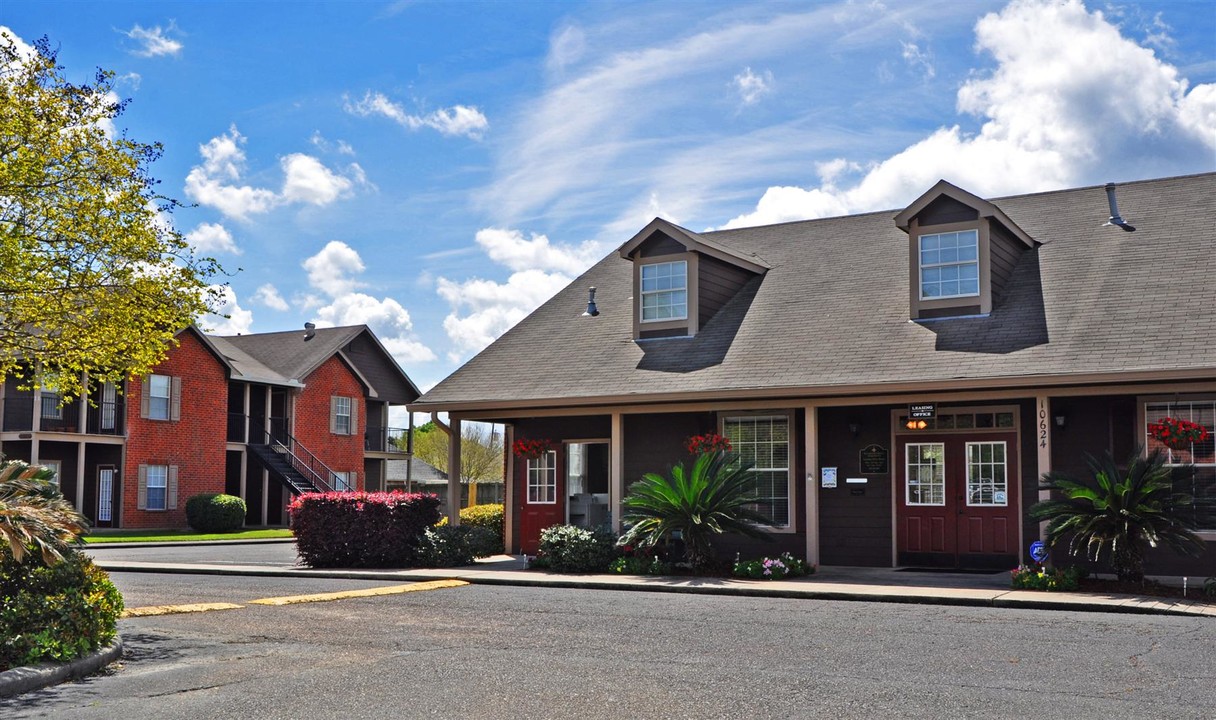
x=1061 y=418
x=854 y=427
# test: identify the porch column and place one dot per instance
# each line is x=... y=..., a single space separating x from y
x=82 y=408
x=508 y=488
x=616 y=469
x=454 y=471
x=245 y=412
x=80 y=475
x=812 y=487
x=1042 y=443
x=244 y=477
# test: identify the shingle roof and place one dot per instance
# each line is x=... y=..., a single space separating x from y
x=288 y=354
x=833 y=312
x=422 y=471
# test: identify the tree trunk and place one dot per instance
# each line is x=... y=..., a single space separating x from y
x=1128 y=563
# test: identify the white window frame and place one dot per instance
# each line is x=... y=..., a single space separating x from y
x=1153 y=409
x=643 y=293
x=790 y=510
x=344 y=479
x=55 y=466
x=52 y=409
x=339 y=415
x=908 y=474
x=164 y=478
x=542 y=479
x=922 y=265
x=1001 y=487
x=153 y=397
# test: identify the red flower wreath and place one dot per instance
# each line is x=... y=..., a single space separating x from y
x=707 y=443
x=1176 y=433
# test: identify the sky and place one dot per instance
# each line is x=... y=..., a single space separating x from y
x=437 y=170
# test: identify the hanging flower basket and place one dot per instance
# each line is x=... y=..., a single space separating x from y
x=1176 y=433
x=707 y=443
x=531 y=449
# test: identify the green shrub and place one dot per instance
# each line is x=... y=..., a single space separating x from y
x=639 y=565
x=1209 y=587
x=454 y=546
x=1026 y=577
x=54 y=612
x=570 y=549
x=489 y=517
x=215 y=512
x=772 y=568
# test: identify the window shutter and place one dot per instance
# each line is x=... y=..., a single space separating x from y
x=354 y=416
x=171 y=486
x=142 y=503
x=145 y=397
x=333 y=414
x=175 y=400
x=353 y=481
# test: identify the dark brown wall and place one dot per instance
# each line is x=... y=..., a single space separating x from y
x=946 y=210
x=654 y=443
x=1004 y=250
x=718 y=282
x=659 y=244
x=379 y=370
x=854 y=529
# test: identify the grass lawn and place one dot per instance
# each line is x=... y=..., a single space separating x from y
x=109 y=536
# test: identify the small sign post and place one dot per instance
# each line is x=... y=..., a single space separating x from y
x=1038 y=551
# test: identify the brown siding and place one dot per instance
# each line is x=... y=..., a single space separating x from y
x=656 y=334
x=659 y=244
x=718 y=282
x=1004 y=250
x=949 y=312
x=946 y=210
x=380 y=371
x=854 y=529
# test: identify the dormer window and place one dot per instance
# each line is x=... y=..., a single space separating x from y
x=664 y=291
x=949 y=265
x=962 y=250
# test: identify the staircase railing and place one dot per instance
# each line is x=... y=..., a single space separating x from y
x=309 y=465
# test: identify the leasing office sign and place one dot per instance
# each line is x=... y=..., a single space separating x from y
x=922 y=411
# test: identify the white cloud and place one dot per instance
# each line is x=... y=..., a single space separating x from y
x=210 y=238
x=752 y=87
x=333 y=272
x=339 y=146
x=269 y=296
x=454 y=121
x=331 y=269
x=153 y=41
x=918 y=59
x=490 y=308
x=216 y=182
x=566 y=47
x=509 y=248
x=239 y=320
x=1069 y=99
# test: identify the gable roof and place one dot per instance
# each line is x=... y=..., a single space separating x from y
x=693 y=242
x=287 y=358
x=985 y=209
x=421 y=472
x=831 y=315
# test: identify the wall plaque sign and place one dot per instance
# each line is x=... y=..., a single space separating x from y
x=872 y=460
x=922 y=411
x=828 y=477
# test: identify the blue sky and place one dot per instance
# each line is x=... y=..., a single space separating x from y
x=438 y=169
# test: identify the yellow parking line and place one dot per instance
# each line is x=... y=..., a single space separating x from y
x=173 y=609
x=370 y=592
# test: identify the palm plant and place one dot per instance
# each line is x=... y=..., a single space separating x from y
x=1121 y=510
x=715 y=496
x=34 y=513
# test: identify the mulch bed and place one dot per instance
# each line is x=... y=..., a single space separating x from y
x=1109 y=586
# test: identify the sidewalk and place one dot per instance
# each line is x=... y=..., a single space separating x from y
x=832 y=583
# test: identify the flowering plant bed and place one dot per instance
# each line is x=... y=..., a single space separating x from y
x=778 y=568
x=531 y=449
x=1176 y=433
x=707 y=443
x=1035 y=577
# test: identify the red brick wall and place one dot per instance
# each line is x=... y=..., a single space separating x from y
x=342 y=453
x=195 y=443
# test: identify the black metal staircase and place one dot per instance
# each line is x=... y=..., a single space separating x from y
x=290 y=462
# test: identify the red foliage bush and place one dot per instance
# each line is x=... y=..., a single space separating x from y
x=361 y=529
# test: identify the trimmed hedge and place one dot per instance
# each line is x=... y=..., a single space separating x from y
x=361 y=529
x=489 y=517
x=55 y=612
x=215 y=512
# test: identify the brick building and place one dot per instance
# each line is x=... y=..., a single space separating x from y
x=259 y=416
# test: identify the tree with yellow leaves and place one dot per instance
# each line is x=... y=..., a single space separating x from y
x=93 y=278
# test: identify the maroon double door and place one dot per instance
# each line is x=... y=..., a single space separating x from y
x=958 y=502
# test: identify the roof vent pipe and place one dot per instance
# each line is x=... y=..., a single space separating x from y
x=592 y=310
x=310 y=331
x=1115 y=218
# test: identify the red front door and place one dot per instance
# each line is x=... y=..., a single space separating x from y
x=958 y=500
x=542 y=500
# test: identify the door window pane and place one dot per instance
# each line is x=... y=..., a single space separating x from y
x=925 y=473
x=542 y=479
x=987 y=474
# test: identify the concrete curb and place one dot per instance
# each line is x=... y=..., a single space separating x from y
x=24 y=679
x=187 y=543
x=800 y=590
